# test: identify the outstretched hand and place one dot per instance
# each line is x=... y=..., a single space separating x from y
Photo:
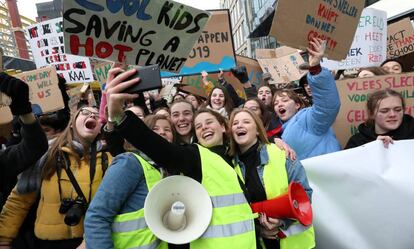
x=316 y=51
x=387 y=140
x=115 y=85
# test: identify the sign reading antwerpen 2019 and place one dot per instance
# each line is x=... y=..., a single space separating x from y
x=141 y=32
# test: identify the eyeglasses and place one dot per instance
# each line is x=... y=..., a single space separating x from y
x=87 y=113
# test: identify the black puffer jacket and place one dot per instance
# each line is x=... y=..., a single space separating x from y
x=367 y=134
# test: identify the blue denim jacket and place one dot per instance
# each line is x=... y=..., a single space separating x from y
x=122 y=190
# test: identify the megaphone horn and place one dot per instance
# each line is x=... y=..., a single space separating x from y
x=178 y=210
x=294 y=204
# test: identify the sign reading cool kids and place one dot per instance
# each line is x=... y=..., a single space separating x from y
x=139 y=32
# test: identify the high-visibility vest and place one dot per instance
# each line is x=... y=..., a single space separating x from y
x=232 y=223
x=275 y=184
x=130 y=230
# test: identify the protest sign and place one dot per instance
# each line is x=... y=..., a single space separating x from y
x=400 y=38
x=137 y=32
x=44 y=94
x=46 y=41
x=369 y=46
x=297 y=21
x=5 y=114
x=101 y=73
x=214 y=49
x=265 y=53
x=253 y=69
x=284 y=69
x=354 y=95
x=74 y=98
x=366 y=192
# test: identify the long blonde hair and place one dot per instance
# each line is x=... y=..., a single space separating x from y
x=262 y=136
x=66 y=138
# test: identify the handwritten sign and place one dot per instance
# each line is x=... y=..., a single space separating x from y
x=101 y=73
x=194 y=84
x=400 y=38
x=214 y=49
x=46 y=41
x=354 y=95
x=369 y=46
x=44 y=92
x=297 y=21
x=283 y=69
x=137 y=32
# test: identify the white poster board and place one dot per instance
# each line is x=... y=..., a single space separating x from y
x=363 y=197
x=369 y=47
x=46 y=41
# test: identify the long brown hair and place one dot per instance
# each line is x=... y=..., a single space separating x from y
x=374 y=100
x=228 y=102
x=262 y=136
x=65 y=139
x=222 y=121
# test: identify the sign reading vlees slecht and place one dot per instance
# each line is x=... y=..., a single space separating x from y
x=135 y=32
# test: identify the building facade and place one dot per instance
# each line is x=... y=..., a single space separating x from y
x=7 y=39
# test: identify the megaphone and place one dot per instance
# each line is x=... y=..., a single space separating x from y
x=178 y=210
x=294 y=204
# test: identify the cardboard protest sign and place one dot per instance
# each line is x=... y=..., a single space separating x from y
x=137 y=32
x=298 y=21
x=284 y=69
x=101 y=72
x=194 y=84
x=354 y=94
x=265 y=53
x=45 y=94
x=5 y=114
x=214 y=49
x=46 y=41
x=369 y=46
x=253 y=69
x=74 y=98
x=400 y=38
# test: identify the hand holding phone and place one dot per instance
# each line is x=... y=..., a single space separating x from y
x=150 y=79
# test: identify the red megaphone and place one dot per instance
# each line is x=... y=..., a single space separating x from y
x=293 y=204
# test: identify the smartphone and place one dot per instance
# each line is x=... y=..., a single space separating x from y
x=150 y=79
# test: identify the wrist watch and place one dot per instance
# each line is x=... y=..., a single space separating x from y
x=117 y=120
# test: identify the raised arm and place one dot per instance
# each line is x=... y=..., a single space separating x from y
x=325 y=95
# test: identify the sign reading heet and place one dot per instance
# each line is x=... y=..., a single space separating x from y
x=369 y=46
x=137 y=32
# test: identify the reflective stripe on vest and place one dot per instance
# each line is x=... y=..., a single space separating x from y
x=228 y=200
x=130 y=230
x=295 y=228
x=232 y=223
x=128 y=226
x=228 y=230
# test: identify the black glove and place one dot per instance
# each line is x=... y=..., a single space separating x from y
x=240 y=73
x=18 y=91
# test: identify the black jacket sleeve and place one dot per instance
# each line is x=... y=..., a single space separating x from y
x=16 y=158
x=185 y=158
x=237 y=101
x=114 y=142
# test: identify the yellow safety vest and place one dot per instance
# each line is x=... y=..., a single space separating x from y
x=232 y=223
x=276 y=183
x=130 y=230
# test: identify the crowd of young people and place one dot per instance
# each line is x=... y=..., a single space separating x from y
x=241 y=151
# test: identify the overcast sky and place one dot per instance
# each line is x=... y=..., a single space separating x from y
x=28 y=7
